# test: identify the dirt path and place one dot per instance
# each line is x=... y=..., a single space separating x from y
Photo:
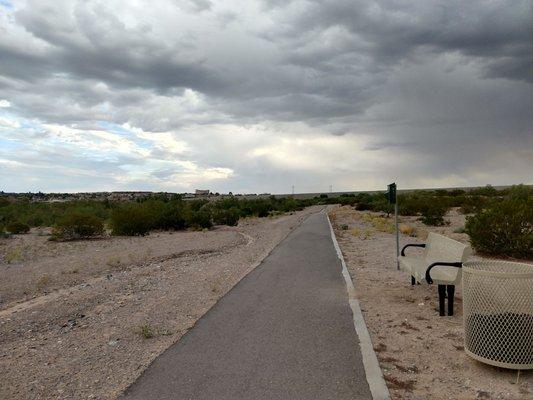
x=421 y=354
x=92 y=339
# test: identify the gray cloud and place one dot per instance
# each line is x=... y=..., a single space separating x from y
x=420 y=77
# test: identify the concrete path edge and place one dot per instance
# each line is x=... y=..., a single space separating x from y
x=374 y=375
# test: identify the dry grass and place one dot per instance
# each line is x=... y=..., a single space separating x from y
x=380 y=224
x=114 y=261
x=354 y=232
x=146 y=331
x=13 y=255
x=408 y=230
x=43 y=282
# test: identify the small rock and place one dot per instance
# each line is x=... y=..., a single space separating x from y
x=412 y=368
x=387 y=366
x=482 y=394
x=112 y=343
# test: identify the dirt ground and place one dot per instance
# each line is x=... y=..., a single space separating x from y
x=82 y=320
x=421 y=354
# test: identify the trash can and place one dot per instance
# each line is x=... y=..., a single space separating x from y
x=498 y=312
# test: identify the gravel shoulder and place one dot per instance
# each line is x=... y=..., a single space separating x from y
x=420 y=353
x=90 y=333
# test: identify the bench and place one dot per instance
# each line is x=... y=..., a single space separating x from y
x=440 y=264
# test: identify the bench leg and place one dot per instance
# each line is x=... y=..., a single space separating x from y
x=412 y=280
x=442 y=295
x=451 y=294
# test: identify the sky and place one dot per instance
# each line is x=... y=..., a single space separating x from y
x=258 y=96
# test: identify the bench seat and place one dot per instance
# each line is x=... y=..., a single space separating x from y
x=440 y=263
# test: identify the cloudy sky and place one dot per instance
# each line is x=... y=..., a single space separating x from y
x=257 y=96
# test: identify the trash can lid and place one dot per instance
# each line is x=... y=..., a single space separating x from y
x=499 y=268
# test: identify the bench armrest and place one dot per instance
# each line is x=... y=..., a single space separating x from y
x=436 y=264
x=411 y=245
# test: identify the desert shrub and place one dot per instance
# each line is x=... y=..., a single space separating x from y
x=410 y=204
x=362 y=206
x=473 y=204
x=3 y=233
x=407 y=230
x=287 y=205
x=355 y=232
x=17 y=227
x=521 y=192
x=457 y=192
x=226 y=217
x=504 y=228
x=373 y=202
x=383 y=225
x=487 y=190
x=433 y=214
x=172 y=217
x=196 y=205
x=78 y=225
x=131 y=219
x=146 y=331
x=167 y=215
x=200 y=219
x=344 y=227
x=261 y=208
x=14 y=255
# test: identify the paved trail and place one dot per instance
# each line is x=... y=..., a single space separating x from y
x=284 y=332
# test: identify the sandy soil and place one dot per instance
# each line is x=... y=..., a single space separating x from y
x=421 y=354
x=82 y=320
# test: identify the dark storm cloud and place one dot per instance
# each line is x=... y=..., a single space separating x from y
x=98 y=46
x=501 y=32
x=446 y=82
x=331 y=55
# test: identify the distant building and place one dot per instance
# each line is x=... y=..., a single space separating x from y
x=201 y=193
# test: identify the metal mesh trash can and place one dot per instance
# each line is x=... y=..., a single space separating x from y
x=498 y=312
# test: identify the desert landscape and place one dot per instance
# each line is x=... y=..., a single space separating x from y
x=83 y=319
x=93 y=291
x=421 y=354
x=198 y=200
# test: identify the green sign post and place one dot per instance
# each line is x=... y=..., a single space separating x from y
x=391 y=194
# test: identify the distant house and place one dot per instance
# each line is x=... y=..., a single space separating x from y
x=201 y=193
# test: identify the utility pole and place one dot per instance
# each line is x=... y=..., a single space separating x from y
x=331 y=188
x=293 y=190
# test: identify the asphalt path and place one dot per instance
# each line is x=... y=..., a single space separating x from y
x=285 y=331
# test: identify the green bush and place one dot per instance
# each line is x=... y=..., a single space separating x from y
x=503 y=228
x=433 y=214
x=411 y=204
x=166 y=215
x=131 y=219
x=172 y=216
x=78 y=225
x=200 y=219
x=17 y=227
x=473 y=204
x=226 y=217
x=3 y=233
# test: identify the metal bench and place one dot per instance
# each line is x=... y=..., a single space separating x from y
x=441 y=264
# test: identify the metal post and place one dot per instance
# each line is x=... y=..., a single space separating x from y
x=397 y=235
x=391 y=195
